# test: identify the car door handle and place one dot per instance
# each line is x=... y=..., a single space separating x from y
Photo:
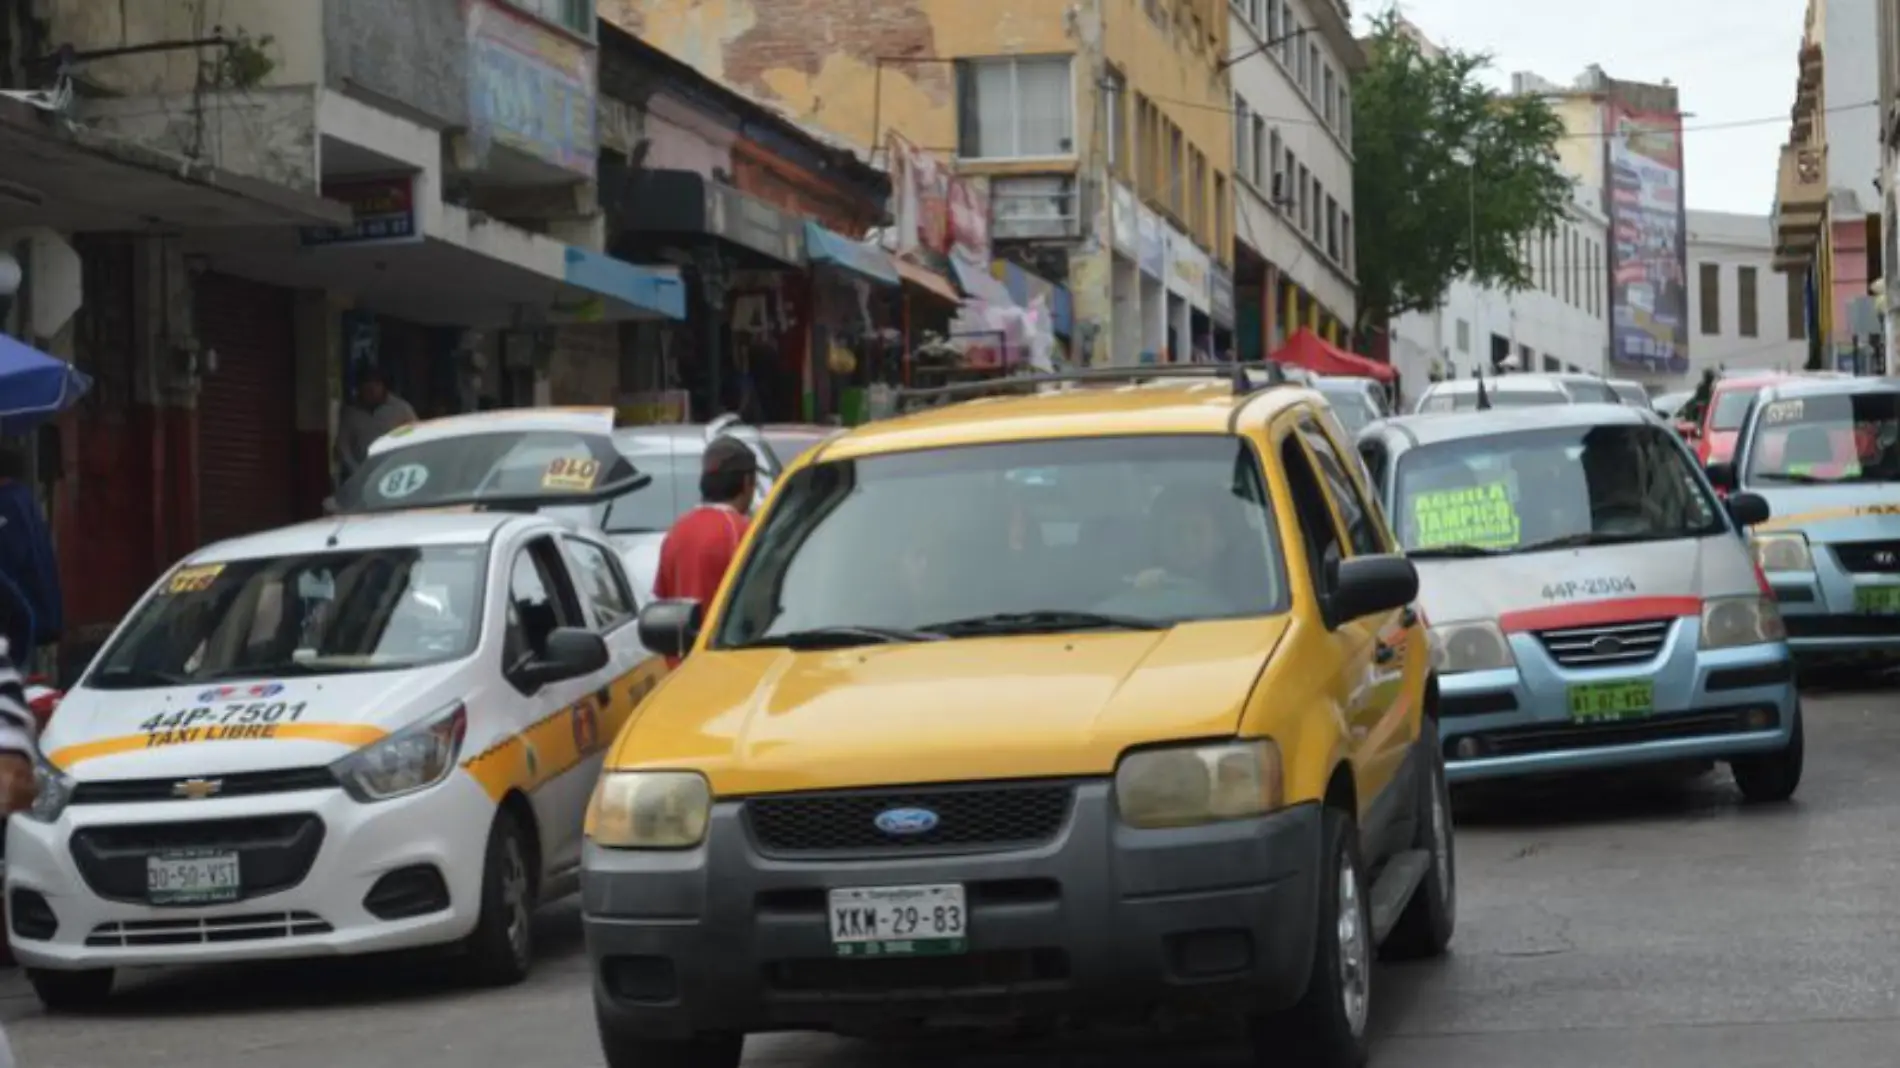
x=1408 y=617
x=1383 y=653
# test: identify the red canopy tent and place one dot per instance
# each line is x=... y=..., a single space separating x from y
x=1316 y=354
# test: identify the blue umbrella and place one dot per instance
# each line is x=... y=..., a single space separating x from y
x=34 y=387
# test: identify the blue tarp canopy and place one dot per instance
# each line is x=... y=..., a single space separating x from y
x=868 y=261
x=34 y=387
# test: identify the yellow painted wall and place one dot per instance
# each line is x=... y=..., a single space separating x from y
x=296 y=50
x=1582 y=149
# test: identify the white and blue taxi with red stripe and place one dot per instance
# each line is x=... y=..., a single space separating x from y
x=375 y=731
x=1593 y=603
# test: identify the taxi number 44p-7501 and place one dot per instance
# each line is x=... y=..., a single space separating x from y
x=218 y=716
x=897 y=921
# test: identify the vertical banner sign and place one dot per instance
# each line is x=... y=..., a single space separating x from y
x=530 y=88
x=1649 y=293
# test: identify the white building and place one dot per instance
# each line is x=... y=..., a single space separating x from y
x=1742 y=314
x=1559 y=323
x=1293 y=167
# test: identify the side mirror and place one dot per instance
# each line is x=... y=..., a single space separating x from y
x=1721 y=476
x=1365 y=585
x=670 y=628
x=572 y=652
x=1748 y=509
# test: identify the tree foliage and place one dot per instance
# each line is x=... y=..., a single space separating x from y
x=1441 y=161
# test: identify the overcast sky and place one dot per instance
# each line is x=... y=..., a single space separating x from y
x=1734 y=61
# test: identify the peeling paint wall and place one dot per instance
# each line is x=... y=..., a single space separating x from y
x=295 y=26
x=266 y=133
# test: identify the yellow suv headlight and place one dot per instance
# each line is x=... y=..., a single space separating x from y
x=1479 y=646
x=1782 y=552
x=1728 y=622
x=1188 y=785
x=649 y=810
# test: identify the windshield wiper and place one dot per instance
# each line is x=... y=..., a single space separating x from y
x=1572 y=541
x=1046 y=621
x=842 y=637
x=263 y=671
x=1450 y=552
x=139 y=678
x=1801 y=479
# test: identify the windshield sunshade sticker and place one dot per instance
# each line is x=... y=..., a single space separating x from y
x=1598 y=613
x=193 y=579
x=1606 y=586
x=571 y=473
x=556 y=743
x=1819 y=515
x=403 y=480
x=1480 y=515
x=352 y=735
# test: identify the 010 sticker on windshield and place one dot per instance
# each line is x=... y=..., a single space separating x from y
x=1604 y=586
x=194 y=579
x=1788 y=411
x=571 y=473
x=1479 y=515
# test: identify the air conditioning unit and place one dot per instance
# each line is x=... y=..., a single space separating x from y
x=1036 y=207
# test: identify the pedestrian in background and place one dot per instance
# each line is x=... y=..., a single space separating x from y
x=32 y=607
x=376 y=412
x=700 y=547
x=19 y=738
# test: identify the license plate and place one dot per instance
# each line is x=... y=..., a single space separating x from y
x=193 y=877
x=1610 y=702
x=1877 y=600
x=898 y=921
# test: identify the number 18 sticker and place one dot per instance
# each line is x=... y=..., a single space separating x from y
x=403 y=481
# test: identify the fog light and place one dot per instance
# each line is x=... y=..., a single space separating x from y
x=1760 y=719
x=1467 y=749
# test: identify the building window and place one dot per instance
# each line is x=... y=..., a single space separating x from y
x=1543 y=259
x=1223 y=241
x=1592 y=285
x=1311 y=76
x=1289 y=34
x=1345 y=112
x=1345 y=241
x=1157 y=13
x=1119 y=158
x=1303 y=73
x=1284 y=197
x=1243 y=130
x=1746 y=294
x=575 y=16
x=1319 y=221
x=1571 y=267
x=1019 y=108
x=1711 y=296
x=1797 y=306
x=1147 y=166
x=1327 y=93
x=1306 y=209
x=1464 y=335
x=1332 y=229
x=1176 y=175
x=1197 y=195
x=1265 y=152
x=1270 y=28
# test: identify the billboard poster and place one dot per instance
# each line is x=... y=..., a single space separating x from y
x=1649 y=293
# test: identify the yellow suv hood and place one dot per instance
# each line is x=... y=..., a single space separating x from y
x=771 y=720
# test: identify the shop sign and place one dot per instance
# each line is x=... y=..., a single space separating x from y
x=1154 y=253
x=746 y=220
x=1123 y=221
x=383 y=212
x=531 y=88
x=1222 y=297
x=1188 y=269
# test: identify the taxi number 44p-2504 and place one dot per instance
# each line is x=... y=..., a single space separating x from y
x=1612 y=702
x=898 y=921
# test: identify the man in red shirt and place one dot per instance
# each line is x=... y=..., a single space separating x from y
x=700 y=547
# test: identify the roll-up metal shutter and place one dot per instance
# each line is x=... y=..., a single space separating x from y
x=246 y=408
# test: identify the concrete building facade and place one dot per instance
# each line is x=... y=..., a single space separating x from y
x=1743 y=314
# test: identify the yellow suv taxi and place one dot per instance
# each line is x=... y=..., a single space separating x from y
x=1107 y=698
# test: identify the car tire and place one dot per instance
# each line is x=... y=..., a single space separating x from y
x=1425 y=927
x=81 y=991
x=501 y=948
x=1769 y=778
x=1327 y=1027
x=699 y=1051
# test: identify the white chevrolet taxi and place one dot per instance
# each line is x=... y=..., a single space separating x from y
x=376 y=731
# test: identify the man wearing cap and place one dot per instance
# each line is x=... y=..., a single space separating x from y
x=699 y=548
x=376 y=412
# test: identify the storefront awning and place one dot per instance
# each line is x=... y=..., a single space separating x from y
x=1316 y=354
x=684 y=203
x=74 y=179
x=928 y=280
x=867 y=261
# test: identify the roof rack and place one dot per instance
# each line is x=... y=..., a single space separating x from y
x=1238 y=374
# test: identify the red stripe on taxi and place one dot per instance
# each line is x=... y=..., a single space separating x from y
x=1598 y=613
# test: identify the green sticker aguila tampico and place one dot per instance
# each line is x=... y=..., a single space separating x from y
x=1479 y=515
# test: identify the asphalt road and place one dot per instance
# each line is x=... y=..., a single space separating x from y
x=1637 y=923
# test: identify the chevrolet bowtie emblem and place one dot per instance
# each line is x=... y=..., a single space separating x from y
x=197 y=789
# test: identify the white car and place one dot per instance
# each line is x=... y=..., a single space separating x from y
x=377 y=731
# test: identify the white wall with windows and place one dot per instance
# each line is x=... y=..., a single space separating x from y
x=1559 y=323
x=1293 y=145
x=1743 y=315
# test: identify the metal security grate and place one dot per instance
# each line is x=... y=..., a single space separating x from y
x=969 y=818
x=1607 y=646
x=249 y=928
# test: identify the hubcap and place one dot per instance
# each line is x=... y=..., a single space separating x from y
x=1354 y=967
x=514 y=898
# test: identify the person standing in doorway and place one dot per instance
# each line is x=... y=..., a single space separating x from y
x=376 y=412
x=700 y=547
